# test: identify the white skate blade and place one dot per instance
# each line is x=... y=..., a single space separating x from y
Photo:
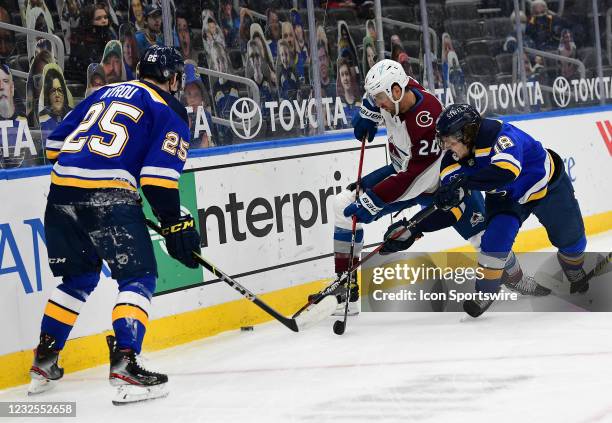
x=39 y=384
x=316 y=313
x=353 y=310
x=129 y=394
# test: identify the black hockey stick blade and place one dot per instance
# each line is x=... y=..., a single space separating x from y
x=291 y=323
x=583 y=284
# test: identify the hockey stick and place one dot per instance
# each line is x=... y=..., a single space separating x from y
x=340 y=325
x=315 y=314
x=314 y=298
x=599 y=267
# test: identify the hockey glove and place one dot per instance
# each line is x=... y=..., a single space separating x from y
x=450 y=195
x=396 y=240
x=182 y=239
x=365 y=121
x=366 y=208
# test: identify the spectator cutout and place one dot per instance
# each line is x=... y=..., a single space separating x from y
x=152 y=33
x=112 y=62
x=567 y=48
x=9 y=110
x=95 y=78
x=55 y=99
x=273 y=31
x=137 y=16
x=196 y=98
x=225 y=92
x=38 y=20
x=301 y=47
x=451 y=71
x=288 y=84
x=230 y=23
x=127 y=35
x=211 y=33
x=34 y=86
x=347 y=87
x=184 y=36
x=267 y=63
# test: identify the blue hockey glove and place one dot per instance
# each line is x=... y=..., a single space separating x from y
x=395 y=242
x=182 y=239
x=450 y=195
x=366 y=208
x=365 y=121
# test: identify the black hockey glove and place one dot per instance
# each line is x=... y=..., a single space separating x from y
x=182 y=239
x=395 y=242
x=450 y=195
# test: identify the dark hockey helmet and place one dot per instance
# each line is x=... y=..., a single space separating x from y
x=160 y=63
x=458 y=120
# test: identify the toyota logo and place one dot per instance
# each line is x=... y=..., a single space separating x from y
x=561 y=91
x=245 y=118
x=477 y=96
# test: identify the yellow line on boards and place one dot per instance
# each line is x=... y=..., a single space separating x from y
x=90 y=351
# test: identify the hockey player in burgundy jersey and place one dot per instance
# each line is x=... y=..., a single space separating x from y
x=409 y=112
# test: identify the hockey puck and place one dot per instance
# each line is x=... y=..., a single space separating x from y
x=339 y=327
x=246 y=328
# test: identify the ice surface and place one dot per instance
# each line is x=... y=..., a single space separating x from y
x=388 y=367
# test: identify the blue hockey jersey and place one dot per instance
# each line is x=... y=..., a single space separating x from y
x=124 y=135
x=505 y=146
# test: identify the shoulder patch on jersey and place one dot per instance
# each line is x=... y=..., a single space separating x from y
x=502 y=143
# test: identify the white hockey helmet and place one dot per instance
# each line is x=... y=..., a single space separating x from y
x=381 y=78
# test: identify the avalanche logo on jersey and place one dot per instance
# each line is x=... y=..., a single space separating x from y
x=424 y=119
x=476 y=218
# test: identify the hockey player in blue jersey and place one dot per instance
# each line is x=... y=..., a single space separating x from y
x=520 y=177
x=122 y=137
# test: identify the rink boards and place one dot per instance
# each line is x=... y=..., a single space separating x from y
x=265 y=212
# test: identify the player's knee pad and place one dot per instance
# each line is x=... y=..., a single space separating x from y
x=500 y=234
x=342 y=201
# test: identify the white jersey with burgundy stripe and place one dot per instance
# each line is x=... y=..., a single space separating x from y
x=412 y=141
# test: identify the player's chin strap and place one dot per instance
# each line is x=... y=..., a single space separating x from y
x=179 y=79
x=397 y=102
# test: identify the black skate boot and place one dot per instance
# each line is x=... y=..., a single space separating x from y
x=354 y=304
x=477 y=306
x=576 y=277
x=524 y=285
x=134 y=383
x=45 y=372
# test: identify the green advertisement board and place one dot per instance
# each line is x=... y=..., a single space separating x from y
x=172 y=274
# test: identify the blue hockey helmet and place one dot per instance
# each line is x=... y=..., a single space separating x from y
x=160 y=63
x=458 y=120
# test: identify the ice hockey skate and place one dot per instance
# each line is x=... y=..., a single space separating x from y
x=134 y=383
x=354 y=307
x=524 y=285
x=45 y=372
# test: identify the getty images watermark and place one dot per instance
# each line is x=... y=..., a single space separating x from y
x=412 y=275
x=425 y=282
